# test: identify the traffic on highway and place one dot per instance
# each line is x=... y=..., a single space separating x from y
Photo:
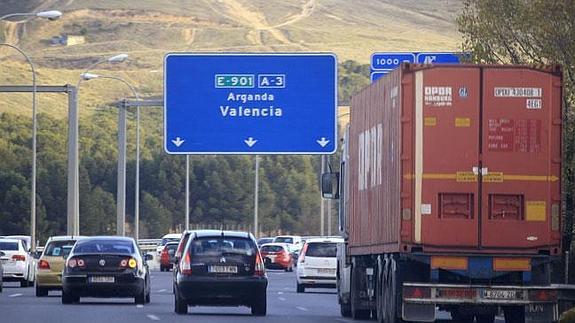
x=393 y=161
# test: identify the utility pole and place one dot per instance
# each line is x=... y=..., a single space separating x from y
x=256 y=193
x=121 y=203
x=321 y=208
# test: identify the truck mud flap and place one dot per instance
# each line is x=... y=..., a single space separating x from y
x=418 y=312
x=540 y=313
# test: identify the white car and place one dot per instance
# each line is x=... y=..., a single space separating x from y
x=17 y=262
x=170 y=237
x=317 y=264
x=294 y=243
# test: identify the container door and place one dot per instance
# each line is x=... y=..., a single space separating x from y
x=520 y=158
x=447 y=150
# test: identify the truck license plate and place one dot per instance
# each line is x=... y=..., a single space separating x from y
x=502 y=294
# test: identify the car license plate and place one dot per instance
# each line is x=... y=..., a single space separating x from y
x=223 y=269
x=102 y=279
x=327 y=271
x=502 y=294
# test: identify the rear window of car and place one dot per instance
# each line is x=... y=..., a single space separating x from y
x=172 y=248
x=283 y=240
x=321 y=249
x=59 y=248
x=104 y=246
x=166 y=240
x=222 y=246
x=271 y=248
x=8 y=246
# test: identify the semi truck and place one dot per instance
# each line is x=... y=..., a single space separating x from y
x=449 y=191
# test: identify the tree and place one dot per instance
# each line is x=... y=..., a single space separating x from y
x=529 y=32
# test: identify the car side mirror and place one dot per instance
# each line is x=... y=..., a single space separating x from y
x=330 y=185
x=36 y=254
x=148 y=257
x=2 y=254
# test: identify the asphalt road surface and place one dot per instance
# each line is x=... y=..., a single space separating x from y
x=284 y=305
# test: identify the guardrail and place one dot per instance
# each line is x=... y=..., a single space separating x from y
x=148 y=244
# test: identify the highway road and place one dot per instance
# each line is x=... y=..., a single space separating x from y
x=20 y=305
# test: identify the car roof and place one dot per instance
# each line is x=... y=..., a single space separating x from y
x=173 y=243
x=64 y=238
x=172 y=235
x=220 y=233
x=325 y=240
x=107 y=238
x=271 y=244
x=10 y=240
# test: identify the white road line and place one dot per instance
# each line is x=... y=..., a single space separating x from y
x=301 y=308
x=280 y=293
x=281 y=298
x=139 y=306
x=286 y=288
x=153 y=317
x=15 y=295
x=162 y=290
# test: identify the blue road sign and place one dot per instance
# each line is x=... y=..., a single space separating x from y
x=438 y=58
x=375 y=75
x=389 y=61
x=250 y=103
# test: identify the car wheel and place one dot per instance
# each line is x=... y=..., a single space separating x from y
x=24 y=283
x=180 y=306
x=161 y=268
x=148 y=299
x=1 y=283
x=259 y=308
x=68 y=298
x=300 y=288
x=41 y=292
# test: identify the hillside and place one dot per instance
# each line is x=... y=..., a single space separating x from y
x=147 y=30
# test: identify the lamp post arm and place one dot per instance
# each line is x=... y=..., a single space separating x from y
x=17 y=15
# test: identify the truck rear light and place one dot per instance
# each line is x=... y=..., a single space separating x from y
x=416 y=292
x=450 y=263
x=19 y=258
x=43 y=265
x=259 y=269
x=186 y=265
x=512 y=264
x=542 y=295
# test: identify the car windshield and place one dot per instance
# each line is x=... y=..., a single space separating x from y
x=59 y=248
x=104 y=246
x=323 y=249
x=271 y=248
x=222 y=246
x=284 y=240
x=8 y=246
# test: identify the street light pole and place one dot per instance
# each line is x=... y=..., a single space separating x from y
x=52 y=15
x=73 y=160
x=34 y=127
x=121 y=195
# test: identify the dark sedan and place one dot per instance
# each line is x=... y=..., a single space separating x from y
x=105 y=267
x=221 y=268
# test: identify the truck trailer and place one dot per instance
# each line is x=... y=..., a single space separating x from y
x=449 y=194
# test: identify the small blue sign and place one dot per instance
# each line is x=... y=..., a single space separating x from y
x=375 y=75
x=438 y=58
x=389 y=61
x=250 y=103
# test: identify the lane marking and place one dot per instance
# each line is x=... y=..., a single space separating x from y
x=301 y=308
x=153 y=317
x=139 y=306
x=15 y=295
x=286 y=288
x=281 y=298
x=162 y=290
x=280 y=293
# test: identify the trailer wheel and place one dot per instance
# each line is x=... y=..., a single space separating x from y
x=487 y=318
x=356 y=314
x=514 y=314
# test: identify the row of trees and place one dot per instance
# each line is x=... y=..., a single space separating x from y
x=222 y=187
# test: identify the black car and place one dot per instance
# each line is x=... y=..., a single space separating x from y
x=105 y=267
x=221 y=268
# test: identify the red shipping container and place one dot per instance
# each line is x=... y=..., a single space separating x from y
x=456 y=158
